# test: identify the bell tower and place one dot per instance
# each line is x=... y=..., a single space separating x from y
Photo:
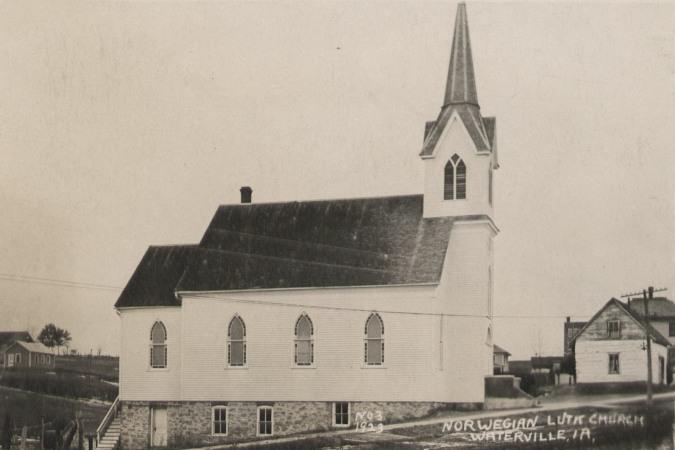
x=460 y=149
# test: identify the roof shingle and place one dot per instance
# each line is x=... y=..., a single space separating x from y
x=330 y=243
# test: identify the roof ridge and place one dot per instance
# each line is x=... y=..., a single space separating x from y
x=375 y=197
x=155 y=246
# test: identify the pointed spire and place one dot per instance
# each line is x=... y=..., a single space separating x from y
x=461 y=87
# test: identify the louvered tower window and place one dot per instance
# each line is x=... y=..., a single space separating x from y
x=455 y=179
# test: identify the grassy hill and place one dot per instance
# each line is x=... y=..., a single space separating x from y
x=105 y=367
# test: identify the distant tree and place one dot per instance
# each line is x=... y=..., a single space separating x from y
x=53 y=336
x=6 y=436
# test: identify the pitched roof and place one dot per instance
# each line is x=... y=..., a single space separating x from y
x=154 y=280
x=461 y=85
x=8 y=337
x=349 y=242
x=653 y=332
x=658 y=307
x=497 y=349
x=329 y=243
x=460 y=95
x=34 y=347
x=472 y=120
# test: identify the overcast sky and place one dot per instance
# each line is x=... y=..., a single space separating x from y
x=125 y=124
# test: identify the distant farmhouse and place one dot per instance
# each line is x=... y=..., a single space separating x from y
x=611 y=347
x=17 y=349
x=293 y=317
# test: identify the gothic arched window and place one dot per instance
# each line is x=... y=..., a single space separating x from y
x=304 y=341
x=236 y=342
x=158 y=347
x=374 y=340
x=455 y=179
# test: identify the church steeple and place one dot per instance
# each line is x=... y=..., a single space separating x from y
x=460 y=148
x=461 y=85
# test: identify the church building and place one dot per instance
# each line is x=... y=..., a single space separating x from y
x=300 y=316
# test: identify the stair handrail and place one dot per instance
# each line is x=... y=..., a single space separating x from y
x=107 y=419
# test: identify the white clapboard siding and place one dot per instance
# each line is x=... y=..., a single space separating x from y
x=137 y=380
x=466 y=269
x=592 y=360
x=411 y=371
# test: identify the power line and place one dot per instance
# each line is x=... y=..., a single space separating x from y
x=340 y=308
x=57 y=282
x=85 y=285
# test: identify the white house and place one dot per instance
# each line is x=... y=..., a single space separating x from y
x=611 y=347
x=501 y=359
x=293 y=317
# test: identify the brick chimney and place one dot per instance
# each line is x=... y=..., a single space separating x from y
x=246 y=194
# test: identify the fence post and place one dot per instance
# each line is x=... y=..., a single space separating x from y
x=24 y=436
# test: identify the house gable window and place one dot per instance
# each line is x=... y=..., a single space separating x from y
x=455 y=179
x=158 y=347
x=236 y=342
x=613 y=328
x=671 y=328
x=613 y=363
x=374 y=341
x=304 y=341
x=219 y=420
x=341 y=414
x=265 y=420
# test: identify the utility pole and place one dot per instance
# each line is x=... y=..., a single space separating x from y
x=649 y=345
x=649 y=338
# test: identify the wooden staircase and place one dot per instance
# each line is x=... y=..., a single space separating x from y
x=111 y=439
x=109 y=431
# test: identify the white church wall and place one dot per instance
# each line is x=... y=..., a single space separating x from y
x=411 y=371
x=137 y=380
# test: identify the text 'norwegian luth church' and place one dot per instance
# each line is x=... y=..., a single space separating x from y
x=294 y=317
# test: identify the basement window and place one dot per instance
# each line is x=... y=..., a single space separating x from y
x=265 y=417
x=219 y=420
x=341 y=414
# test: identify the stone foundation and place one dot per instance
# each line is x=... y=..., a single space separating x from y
x=189 y=423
